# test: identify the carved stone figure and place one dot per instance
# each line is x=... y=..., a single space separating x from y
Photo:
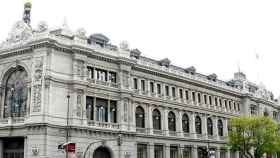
x=81 y=33
x=20 y=32
x=42 y=26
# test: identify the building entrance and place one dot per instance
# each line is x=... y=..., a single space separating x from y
x=101 y=152
x=13 y=148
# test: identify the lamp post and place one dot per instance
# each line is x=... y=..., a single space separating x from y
x=67 y=123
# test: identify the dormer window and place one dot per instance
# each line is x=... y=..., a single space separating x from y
x=135 y=53
x=98 y=39
x=165 y=62
x=212 y=77
x=191 y=70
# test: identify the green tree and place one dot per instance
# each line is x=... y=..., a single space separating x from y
x=254 y=136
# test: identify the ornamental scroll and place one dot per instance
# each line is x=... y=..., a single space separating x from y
x=37 y=84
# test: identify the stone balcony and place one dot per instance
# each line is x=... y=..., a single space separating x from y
x=103 y=83
x=12 y=120
x=104 y=125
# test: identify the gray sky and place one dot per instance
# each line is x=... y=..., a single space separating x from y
x=212 y=35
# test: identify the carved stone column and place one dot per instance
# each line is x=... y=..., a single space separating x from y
x=204 y=125
x=192 y=125
x=165 y=118
x=151 y=150
x=167 y=150
x=1 y=148
x=215 y=127
x=179 y=127
x=150 y=119
x=225 y=126
x=218 y=154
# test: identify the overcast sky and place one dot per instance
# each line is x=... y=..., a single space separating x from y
x=212 y=35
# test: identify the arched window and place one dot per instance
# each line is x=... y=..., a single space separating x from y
x=171 y=121
x=185 y=123
x=156 y=119
x=209 y=126
x=16 y=93
x=140 y=117
x=220 y=128
x=198 y=129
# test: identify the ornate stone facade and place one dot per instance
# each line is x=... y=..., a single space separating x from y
x=160 y=109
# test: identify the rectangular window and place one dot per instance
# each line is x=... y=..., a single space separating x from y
x=193 y=96
x=135 y=83
x=90 y=72
x=205 y=99
x=220 y=100
x=101 y=74
x=216 y=101
x=143 y=85
x=166 y=90
x=210 y=100
x=112 y=76
x=173 y=92
x=199 y=98
x=174 y=152
x=187 y=152
x=158 y=88
x=253 y=109
x=230 y=105
x=226 y=104
x=158 y=151
x=142 y=151
x=113 y=111
x=152 y=88
x=238 y=106
x=89 y=107
x=187 y=95
x=181 y=93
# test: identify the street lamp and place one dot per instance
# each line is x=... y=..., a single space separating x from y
x=67 y=123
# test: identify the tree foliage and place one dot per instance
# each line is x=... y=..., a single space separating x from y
x=254 y=136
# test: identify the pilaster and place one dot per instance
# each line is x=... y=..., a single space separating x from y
x=192 y=125
x=194 y=151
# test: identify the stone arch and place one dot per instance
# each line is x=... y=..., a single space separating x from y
x=140 y=116
x=15 y=91
x=9 y=69
x=103 y=152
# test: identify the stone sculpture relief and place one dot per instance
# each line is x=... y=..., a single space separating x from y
x=79 y=105
x=20 y=32
x=37 y=84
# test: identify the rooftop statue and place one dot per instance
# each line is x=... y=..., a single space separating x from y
x=20 y=32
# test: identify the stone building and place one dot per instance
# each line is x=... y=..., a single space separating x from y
x=62 y=86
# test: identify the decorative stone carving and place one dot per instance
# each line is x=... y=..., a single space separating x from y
x=81 y=33
x=125 y=79
x=79 y=68
x=42 y=27
x=79 y=105
x=37 y=84
x=37 y=89
x=20 y=32
x=125 y=107
x=124 y=45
